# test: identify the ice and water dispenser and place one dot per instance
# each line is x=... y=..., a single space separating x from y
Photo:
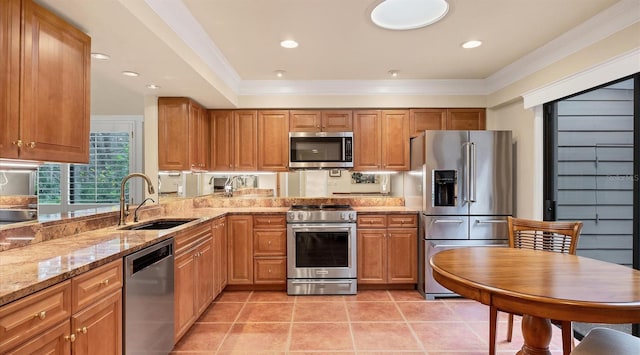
x=445 y=187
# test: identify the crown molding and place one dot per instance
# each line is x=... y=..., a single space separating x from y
x=176 y=15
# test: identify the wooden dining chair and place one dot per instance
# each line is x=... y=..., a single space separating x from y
x=559 y=237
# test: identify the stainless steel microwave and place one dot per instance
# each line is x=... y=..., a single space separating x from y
x=320 y=150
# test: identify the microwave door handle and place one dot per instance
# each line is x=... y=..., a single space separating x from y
x=344 y=148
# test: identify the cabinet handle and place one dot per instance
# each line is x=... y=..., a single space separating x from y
x=82 y=330
x=31 y=145
x=41 y=315
x=105 y=282
x=269 y=243
x=70 y=338
x=269 y=270
x=18 y=143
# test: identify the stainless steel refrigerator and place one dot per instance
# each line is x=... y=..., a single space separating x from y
x=462 y=181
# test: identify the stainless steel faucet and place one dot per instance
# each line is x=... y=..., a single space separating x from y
x=124 y=211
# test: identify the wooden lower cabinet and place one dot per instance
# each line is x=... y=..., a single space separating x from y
x=240 y=249
x=270 y=249
x=50 y=322
x=387 y=254
x=270 y=270
x=193 y=278
x=98 y=328
x=219 y=255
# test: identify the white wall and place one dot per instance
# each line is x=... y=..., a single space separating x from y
x=527 y=136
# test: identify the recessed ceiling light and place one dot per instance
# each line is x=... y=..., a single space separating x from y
x=130 y=73
x=100 y=56
x=394 y=73
x=408 y=14
x=153 y=87
x=279 y=73
x=471 y=44
x=289 y=43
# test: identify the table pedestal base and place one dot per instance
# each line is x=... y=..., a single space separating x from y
x=537 y=336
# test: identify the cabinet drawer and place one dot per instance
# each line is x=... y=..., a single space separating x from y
x=270 y=270
x=191 y=237
x=32 y=315
x=372 y=221
x=269 y=221
x=402 y=220
x=52 y=341
x=95 y=284
x=269 y=242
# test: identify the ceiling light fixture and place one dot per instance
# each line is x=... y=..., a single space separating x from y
x=471 y=44
x=408 y=14
x=394 y=73
x=289 y=43
x=100 y=56
x=130 y=73
x=153 y=86
x=279 y=73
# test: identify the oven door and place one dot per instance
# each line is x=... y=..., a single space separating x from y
x=321 y=251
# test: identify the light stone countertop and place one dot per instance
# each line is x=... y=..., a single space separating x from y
x=32 y=268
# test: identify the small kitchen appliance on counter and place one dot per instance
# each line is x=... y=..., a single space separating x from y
x=321 y=250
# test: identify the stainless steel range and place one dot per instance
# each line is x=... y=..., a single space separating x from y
x=321 y=250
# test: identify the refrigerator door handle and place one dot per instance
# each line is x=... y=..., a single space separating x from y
x=467 y=171
x=472 y=173
x=491 y=221
x=448 y=221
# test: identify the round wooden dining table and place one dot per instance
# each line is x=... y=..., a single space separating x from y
x=541 y=285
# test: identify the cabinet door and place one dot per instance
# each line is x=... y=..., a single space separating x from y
x=173 y=133
x=223 y=253
x=98 y=328
x=424 y=119
x=240 y=250
x=245 y=138
x=403 y=255
x=304 y=121
x=54 y=340
x=466 y=119
x=221 y=124
x=270 y=271
x=204 y=276
x=273 y=140
x=395 y=140
x=10 y=78
x=372 y=256
x=367 y=139
x=337 y=121
x=184 y=291
x=54 y=95
x=198 y=137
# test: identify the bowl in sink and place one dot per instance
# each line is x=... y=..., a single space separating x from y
x=159 y=224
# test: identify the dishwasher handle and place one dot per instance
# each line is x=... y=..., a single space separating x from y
x=150 y=256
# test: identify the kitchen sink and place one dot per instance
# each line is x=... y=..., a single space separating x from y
x=158 y=224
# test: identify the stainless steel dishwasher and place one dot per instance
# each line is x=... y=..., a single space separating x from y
x=148 y=301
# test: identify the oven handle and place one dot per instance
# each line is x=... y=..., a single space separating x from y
x=326 y=227
x=337 y=282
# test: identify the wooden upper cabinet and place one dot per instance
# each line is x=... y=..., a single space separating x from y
x=367 y=139
x=381 y=140
x=245 y=137
x=10 y=77
x=337 y=121
x=466 y=119
x=273 y=140
x=44 y=86
x=221 y=134
x=304 y=120
x=424 y=119
x=395 y=140
x=183 y=142
x=320 y=121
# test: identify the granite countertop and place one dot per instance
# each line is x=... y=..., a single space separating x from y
x=29 y=269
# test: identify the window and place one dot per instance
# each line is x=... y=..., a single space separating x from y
x=112 y=155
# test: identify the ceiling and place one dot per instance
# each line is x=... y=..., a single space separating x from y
x=217 y=50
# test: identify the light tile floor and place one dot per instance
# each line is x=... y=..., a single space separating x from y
x=371 y=322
